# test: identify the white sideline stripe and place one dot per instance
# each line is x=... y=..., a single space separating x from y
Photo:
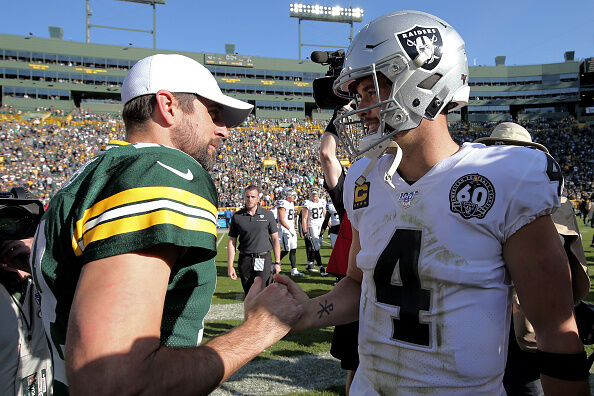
x=220 y=239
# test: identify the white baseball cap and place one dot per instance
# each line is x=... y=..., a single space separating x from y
x=510 y=133
x=178 y=73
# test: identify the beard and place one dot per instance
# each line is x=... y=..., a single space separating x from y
x=186 y=139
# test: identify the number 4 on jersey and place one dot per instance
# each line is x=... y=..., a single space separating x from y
x=402 y=253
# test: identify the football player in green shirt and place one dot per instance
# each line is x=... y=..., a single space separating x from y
x=124 y=256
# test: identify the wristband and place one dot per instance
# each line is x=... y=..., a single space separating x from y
x=276 y=263
x=565 y=366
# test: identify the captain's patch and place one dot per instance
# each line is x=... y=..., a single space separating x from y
x=361 y=199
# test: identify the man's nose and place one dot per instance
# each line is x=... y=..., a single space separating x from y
x=221 y=131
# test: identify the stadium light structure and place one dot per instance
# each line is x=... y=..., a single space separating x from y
x=153 y=32
x=315 y=12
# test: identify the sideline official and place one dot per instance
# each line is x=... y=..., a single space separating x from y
x=256 y=228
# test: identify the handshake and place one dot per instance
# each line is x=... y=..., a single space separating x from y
x=280 y=306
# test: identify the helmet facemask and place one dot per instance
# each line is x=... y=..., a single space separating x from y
x=355 y=135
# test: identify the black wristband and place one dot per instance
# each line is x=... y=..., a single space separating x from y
x=276 y=263
x=565 y=366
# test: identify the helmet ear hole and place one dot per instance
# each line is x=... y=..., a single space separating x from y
x=430 y=81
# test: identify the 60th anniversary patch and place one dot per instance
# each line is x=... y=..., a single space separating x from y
x=472 y=196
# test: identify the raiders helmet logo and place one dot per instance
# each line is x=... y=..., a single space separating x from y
x=472 y=196
x=422 y=40
x=361 y=199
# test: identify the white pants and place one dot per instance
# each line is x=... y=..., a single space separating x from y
x=316 y=240
x=288 y=242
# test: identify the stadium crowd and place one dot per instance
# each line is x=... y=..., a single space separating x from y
x=43 y=154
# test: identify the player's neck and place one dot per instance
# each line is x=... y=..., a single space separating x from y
x=150 y=133
x=424 y=147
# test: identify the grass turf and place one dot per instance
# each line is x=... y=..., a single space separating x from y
x=313 y=341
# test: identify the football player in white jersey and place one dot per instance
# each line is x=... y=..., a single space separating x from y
x=314 y=211
x=288 y=237
x=333 y=219
x=437 y=244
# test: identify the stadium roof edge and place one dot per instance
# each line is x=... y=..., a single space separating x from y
x=47 y=45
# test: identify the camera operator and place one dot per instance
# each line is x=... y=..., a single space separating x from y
x=25 y=363
x=14 y=254
x=344 y=339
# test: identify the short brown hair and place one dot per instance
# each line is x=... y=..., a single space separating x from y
x=251 y=187
x=140 y=109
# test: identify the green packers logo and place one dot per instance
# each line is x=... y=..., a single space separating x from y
x=361 y=196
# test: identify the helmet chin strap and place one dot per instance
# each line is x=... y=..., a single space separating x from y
x=375 y=155
x=392 y=169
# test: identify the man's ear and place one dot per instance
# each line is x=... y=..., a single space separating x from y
x=166 y=108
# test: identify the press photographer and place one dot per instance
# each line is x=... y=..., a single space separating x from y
x=25 y=364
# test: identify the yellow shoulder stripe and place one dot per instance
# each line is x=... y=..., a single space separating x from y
x=141 y=222
x=137 y=195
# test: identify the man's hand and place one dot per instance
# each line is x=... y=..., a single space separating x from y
x=299 y=295
x=273 y=306
x=231 y=272
x=15 y=253
x=277 y=269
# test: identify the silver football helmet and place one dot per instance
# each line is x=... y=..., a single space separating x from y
x=424 y=59
x=287 y=192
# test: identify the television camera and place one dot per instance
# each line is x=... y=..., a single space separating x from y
x=322 y=86
x=20 y=214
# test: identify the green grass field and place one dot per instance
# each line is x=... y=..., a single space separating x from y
x=315 y=341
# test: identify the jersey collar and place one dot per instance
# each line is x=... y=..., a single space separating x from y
x=114 y=143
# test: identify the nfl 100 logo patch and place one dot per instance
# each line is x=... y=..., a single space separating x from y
x=405 y=198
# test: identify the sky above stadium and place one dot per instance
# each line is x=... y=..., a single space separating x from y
x=525 y=31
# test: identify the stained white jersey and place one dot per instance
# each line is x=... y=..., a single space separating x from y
x=315 y=214
x=289 y=215
x=334 y=219
x=435 y=295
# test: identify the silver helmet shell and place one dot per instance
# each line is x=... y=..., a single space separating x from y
x=287 y=192
x=424 y=59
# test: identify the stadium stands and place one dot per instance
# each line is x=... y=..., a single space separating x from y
x=43 y=152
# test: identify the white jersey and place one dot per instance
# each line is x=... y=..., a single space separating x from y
x=435 y=295
x=315 y=214
x=289 y=215
x=334 y=219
